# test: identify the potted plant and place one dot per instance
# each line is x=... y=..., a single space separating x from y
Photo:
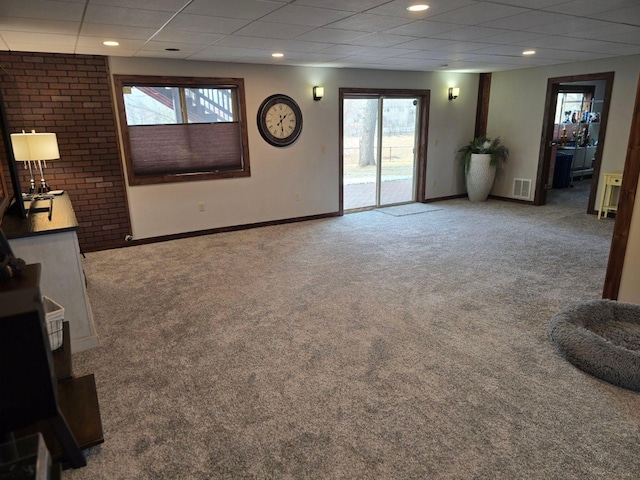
x=481 y=158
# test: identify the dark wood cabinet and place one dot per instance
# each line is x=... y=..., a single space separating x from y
x=39 y=391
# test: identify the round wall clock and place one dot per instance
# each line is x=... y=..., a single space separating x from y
x=279 y=120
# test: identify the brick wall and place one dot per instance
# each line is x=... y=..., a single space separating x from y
x=70 y=96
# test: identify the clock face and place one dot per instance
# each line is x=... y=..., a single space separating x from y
x=279 y=120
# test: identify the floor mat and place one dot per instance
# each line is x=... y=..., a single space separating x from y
x=408 y=209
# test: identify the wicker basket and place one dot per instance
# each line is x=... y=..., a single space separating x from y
x=54 y=315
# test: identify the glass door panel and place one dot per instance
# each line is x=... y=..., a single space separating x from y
x=379 y=145
x=397 y=163
x=360 y=145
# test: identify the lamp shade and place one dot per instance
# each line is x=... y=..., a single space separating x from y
x=35 y=146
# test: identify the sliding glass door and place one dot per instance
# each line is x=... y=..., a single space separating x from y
x=380 y=137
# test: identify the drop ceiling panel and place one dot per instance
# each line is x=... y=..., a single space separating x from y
x=529 y=19
x=477 y=13
x=312 y=16
x=367 y=22
x=586 y=8
x=194 y=38
x=155 y=5
x=423 y=28
x=341 y=32
x=624 y=15
x=273 y=30
x=244 y=9
x=133 y=17
x=535 y=4
x=470 y=33
x=116 y=31
x=379 y=40
x=18 y=24
x=330 y=35
x=207 y=24
x=43 y=9
x=398 y=8
x=348 y=5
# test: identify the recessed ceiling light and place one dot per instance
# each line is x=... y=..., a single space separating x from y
x=111 y=43
x=418 y=8
x=529 y=52
x=277 y=55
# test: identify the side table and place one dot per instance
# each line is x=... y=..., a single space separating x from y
x=610 y=180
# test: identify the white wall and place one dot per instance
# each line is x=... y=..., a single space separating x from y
x=310 y=167
x=516 y=111
x=516 y=114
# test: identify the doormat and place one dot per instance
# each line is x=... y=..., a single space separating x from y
x=408 y=209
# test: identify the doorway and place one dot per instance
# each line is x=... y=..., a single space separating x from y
x=573 y=137
x=383 y=148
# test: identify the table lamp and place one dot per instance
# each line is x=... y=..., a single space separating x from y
x=35 y=148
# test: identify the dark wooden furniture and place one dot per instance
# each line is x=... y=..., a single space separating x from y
x=39 y=391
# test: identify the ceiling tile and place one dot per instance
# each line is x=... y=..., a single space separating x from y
x=477 y=13
x=582 y=27
x=348 y=5
x=330 y=35
x=12 y=38
x=380 y=40
x=398 y=8
x=469 y=33
x=298 y=46
x=42 y=26
x=426 y=44
x=297 y=15
x=535 y=4
x=186 y=49
x=43 y=9
x=346 y=50
x=206 y=24
x=366 y=22
x=125 y=16
x=198 y=38
x=273 y=30
x=526 y=20
x=155 y=5
x=246 y=42
x=423 y=28
x=623 y=15
x=585 y=8
x=632 y=36
x=245 y=9
x=116 y=31
x=125 y=44
x=513 y=38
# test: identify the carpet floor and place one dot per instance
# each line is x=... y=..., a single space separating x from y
x=359 y=347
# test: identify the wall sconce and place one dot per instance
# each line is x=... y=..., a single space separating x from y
x=453 y=93
x=318 y=93
x=35 y=147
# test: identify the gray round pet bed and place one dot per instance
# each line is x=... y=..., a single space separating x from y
x=601 y=337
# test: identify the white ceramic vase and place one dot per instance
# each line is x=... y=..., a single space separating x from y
x=480 y=177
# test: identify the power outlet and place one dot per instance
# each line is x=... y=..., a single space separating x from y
x=297 y=197
x=201 y=207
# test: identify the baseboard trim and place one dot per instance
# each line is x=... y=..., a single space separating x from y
x=513 y=200
x=232 y=228
x=442 y=199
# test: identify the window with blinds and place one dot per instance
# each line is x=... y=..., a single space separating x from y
x=180 y=129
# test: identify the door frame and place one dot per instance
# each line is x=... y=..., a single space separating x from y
x=544 y=160
x=626 y=203
x=423 y=129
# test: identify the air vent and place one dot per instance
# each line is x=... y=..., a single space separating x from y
x=521 y=188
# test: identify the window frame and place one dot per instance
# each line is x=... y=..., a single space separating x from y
x=121 y=81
